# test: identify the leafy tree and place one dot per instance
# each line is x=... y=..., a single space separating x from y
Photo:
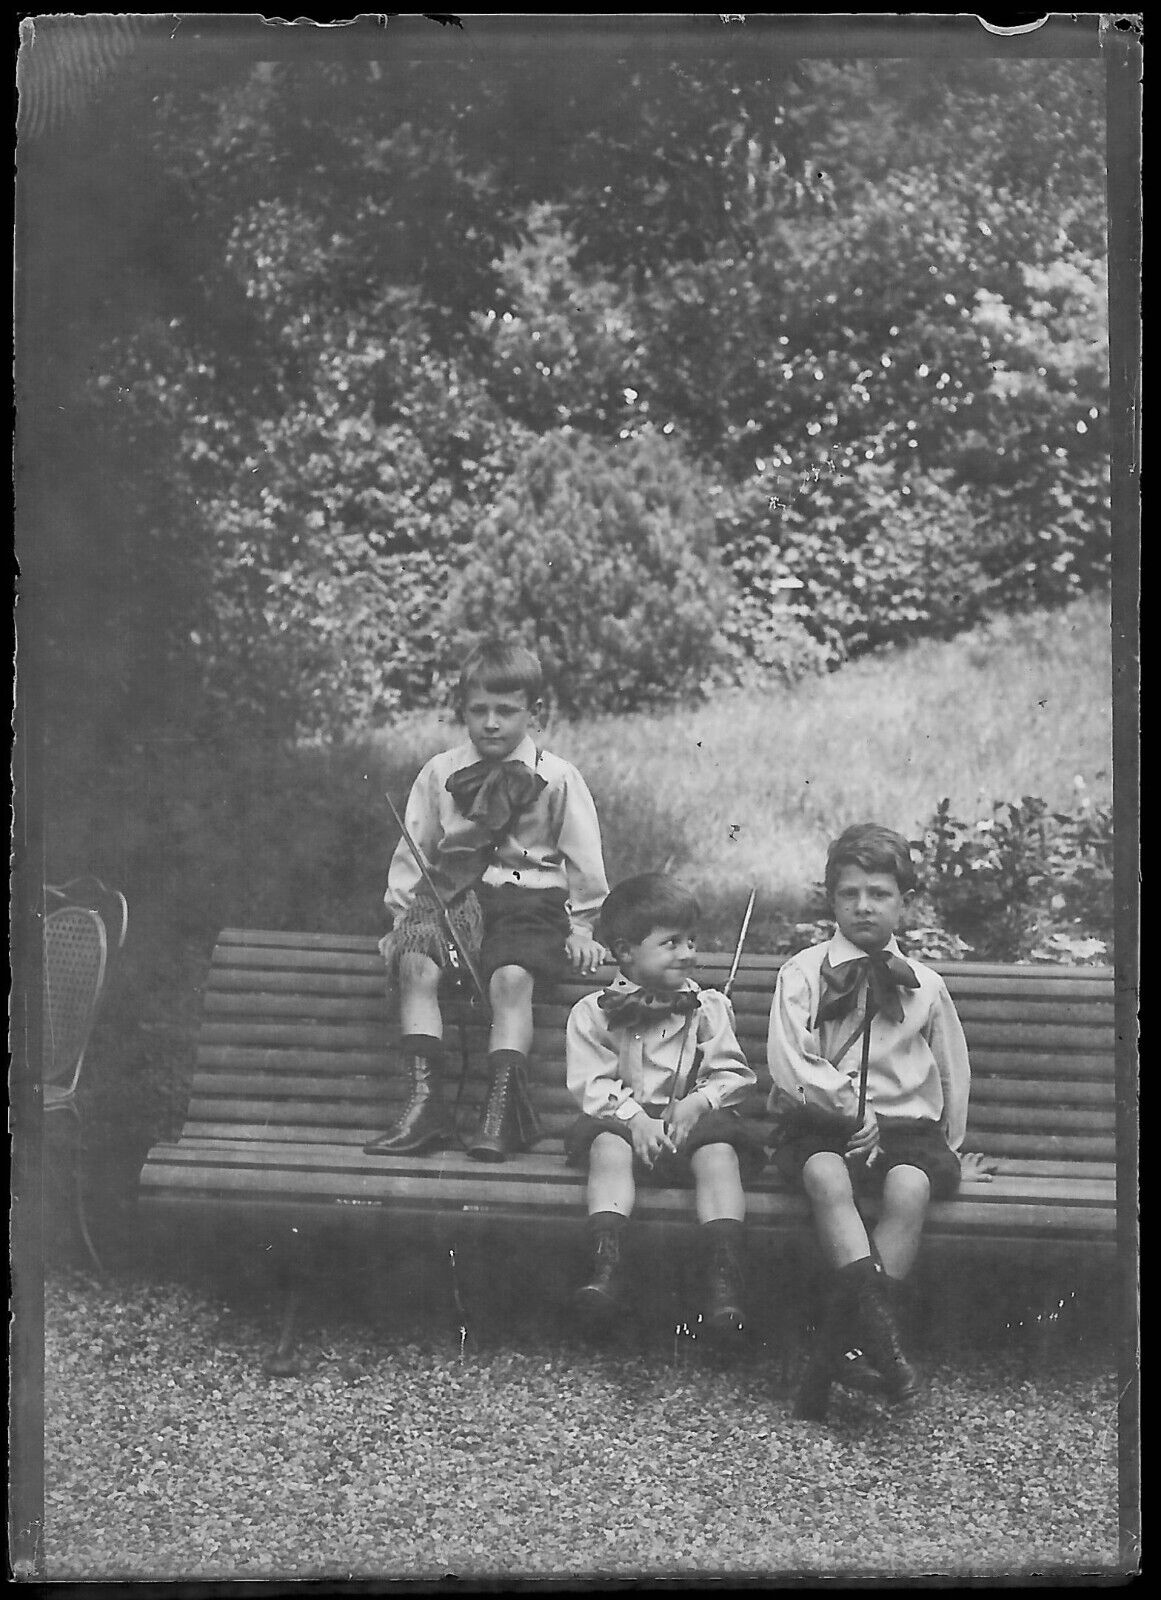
x=565 y=351
x=602 y=559
x=332 y=523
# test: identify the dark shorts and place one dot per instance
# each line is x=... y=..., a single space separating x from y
x=715 y=1127
x=905 y=1142
x=500 y=925
x=524 y=928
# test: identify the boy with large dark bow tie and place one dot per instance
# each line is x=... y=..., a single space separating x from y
x=511 y=837
x=656 y=1068
x=836 y=1005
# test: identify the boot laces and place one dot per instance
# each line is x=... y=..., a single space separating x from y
x=498 y=1095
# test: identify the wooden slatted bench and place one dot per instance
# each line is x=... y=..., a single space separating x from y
x=295 y=1072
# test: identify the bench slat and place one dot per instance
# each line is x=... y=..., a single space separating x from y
x=248 y=1132
x=546 y=1164
x=199 y=1138
x=363 y=997
x=240 y=980
x=376 y=1036
x=1058 y=1146
x=755 y=1016
x=372 y=1117
x=250 y=937
x=1053 y=1119
x=364 y=1008
x=550 y=1067
x=564 y=1192
x=295 y=959
x=271 y=1078
x=263 y=949
x=356 y=1036
x=1039 y=1091
x=234 y=1170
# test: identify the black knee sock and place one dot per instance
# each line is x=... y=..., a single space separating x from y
x=725 y=1228
x=422 y=1044
x=599 y=1222
x=505 y=1058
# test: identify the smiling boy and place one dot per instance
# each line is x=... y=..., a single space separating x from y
x=656 y=1068
x=510 y=833
x=830 y=1002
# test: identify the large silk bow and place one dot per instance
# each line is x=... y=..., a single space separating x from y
x=887 y=975
x=630 y=1008
x=493 y=794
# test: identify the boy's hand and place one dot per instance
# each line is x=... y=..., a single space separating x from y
x=975 y=1168
x=865 y=1140
x=649 y=1138
x=684 y=1117
x=585 y=954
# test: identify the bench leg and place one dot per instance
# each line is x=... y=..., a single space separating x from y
x=83 y=1224
x=284 y=1361
x=74 y=1156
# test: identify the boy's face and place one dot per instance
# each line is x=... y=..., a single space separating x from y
x=497 y=720
x=868 y=906
x=662 y=961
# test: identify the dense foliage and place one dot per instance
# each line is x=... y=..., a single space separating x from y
x=1026 y=883
x=859 y=306
x=601 y=556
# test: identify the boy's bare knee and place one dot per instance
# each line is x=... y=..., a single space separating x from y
x=510 y=986
x=907 y=1189
x=826 y=1177
x=418 y=971
x=715 y=1160
x=609 y=1153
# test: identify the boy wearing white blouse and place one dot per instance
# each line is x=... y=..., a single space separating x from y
x=657 y=1071
x=510 y=834
x=851 y=999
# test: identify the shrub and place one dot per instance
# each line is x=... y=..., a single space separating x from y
x=601 y=558
x=866 y=556
x=1026 y=883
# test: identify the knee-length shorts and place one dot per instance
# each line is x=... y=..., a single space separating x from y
x=904 y=1142
x=500 y=925
x=715 y=1127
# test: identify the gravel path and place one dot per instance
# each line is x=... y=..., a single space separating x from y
x=168 y=1454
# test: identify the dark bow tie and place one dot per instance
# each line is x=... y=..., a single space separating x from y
x=886 y=974
x=492 y=794
x=629 y=1009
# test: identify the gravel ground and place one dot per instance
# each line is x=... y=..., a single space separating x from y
x=407 y=1453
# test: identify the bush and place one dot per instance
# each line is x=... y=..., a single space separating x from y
x=1026 y=883
x=865 y=556
x=601 y=558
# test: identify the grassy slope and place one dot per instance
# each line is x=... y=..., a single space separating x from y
x=748 y=788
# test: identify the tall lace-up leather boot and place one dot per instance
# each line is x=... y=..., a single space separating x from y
x=425 y=1123
x=509 y=1122
x=724 y=1311
x=602 y=1297
x=878 y=1333
x=839 y=1353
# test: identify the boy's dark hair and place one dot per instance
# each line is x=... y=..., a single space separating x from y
x=635 y=906
x=874 y=848
x=502 y=669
